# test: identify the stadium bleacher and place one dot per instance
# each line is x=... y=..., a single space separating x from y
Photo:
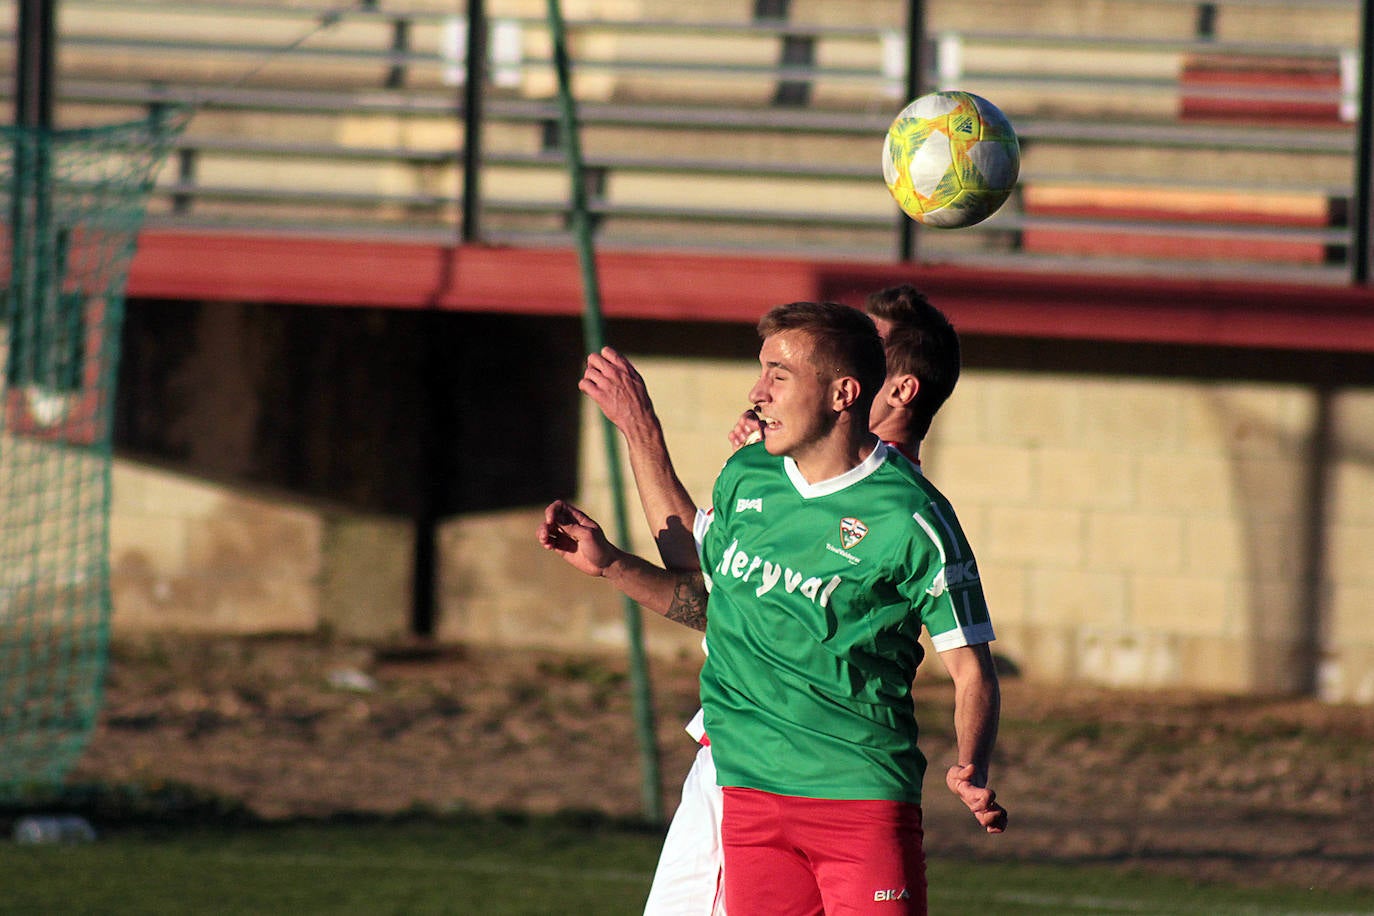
x=755 y=125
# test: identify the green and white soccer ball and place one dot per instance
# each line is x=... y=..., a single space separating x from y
x=951 y=159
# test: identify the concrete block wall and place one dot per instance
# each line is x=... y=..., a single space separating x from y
x=192 y=555
x=1347 y=673
x=1132 y=532
x=186 y=554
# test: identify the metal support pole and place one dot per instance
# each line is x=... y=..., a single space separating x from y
x=915 y=83
x=400 y=47
x=1364 y=151
x=473 y=88
x=593 y=331
x=32 y=253
x=33 y=77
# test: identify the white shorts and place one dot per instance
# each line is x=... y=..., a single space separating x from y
x=689 y=880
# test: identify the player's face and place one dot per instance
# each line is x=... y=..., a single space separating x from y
x=881 y=409
x=790 y=398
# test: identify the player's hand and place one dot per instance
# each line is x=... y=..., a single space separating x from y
x=747 y=429
x=577 y=538
x=979 y=799
x=616 y=386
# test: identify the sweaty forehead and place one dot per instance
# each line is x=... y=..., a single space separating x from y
x=789 y=349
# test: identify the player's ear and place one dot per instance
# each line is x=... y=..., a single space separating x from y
x=900 y=391
x=844 y=392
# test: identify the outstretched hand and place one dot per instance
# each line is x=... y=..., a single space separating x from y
x=981 y=800
x=576 y=537
x=618 y=389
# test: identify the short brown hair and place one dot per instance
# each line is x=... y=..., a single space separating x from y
x=921 y=342
x=844 y=342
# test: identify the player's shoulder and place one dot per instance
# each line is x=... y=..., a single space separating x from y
x=899 y=466
x=749 y=458
x=747 y=467
x=915 y=493
x=904 y=477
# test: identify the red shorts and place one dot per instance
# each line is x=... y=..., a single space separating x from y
x=793 y=856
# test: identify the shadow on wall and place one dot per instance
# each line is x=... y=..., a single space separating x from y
x=390 y=412
x=393 y=423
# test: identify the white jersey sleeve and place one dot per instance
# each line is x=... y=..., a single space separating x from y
x=699 y=526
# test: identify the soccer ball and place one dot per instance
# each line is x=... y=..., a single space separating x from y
x=950 y=159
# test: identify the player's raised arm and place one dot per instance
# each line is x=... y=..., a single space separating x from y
x=616 y=386
x=977 y=706
x=679 y=595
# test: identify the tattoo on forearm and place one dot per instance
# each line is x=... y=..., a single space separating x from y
x=688 y=606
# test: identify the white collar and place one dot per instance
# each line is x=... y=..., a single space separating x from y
x=850 y=477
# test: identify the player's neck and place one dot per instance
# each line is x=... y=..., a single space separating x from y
x=837 y=453
x=894 y=429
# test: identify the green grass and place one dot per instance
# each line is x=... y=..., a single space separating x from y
x=497 y=866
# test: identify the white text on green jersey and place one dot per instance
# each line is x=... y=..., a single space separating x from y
x=742 y=566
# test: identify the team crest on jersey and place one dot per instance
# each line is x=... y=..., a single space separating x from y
x=852 y=531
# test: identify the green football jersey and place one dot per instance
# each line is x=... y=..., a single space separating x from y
x=818 y=594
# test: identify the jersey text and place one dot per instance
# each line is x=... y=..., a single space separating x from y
x=742 y=566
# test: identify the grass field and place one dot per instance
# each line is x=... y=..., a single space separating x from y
x=502 y=866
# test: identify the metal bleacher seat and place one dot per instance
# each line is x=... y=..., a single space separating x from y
x=726 y=123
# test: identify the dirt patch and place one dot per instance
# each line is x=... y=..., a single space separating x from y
x=1214 y=787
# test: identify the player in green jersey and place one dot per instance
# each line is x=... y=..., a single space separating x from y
x=923 y=362
x=813 y=625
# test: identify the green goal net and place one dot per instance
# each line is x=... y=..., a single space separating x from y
x=74 y=201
